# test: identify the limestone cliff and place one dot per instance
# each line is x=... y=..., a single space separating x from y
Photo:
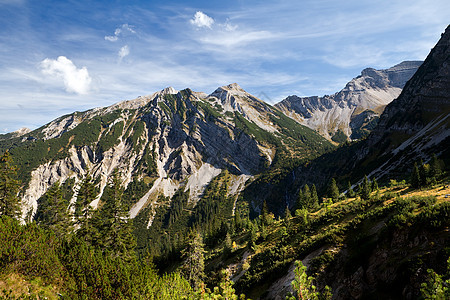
x=355 y=109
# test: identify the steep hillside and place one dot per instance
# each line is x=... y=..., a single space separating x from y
x=379 y=247
x=354 y=111
x=161 y=143
x=413 y=127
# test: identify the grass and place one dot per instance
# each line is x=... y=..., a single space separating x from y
x=13 y=286
x=354 y=224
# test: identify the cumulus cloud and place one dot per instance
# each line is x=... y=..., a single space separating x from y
x=124 y=51
x=202 y=20
x=120 y=31
x=75 y=80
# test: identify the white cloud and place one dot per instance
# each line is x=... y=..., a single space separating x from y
x=75 y=80
x=237 y=38
x=202 y=20
x=120 y=31
x=111 y=38
x=124 y=51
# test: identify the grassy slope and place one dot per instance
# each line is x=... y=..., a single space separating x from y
x=345 y=233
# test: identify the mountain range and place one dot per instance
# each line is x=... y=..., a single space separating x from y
x=354 y=111
x=189 y=159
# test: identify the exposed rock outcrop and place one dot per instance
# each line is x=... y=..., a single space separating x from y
x=368 y=93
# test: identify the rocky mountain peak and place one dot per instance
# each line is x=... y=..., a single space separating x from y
x=353 y=111
x=168 y=91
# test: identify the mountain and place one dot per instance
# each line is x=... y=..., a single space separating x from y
x=168 y=141
x=17 y=133
x=354 y=111
x=380 y=246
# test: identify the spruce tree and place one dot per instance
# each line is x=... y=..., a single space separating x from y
x=287 y=218
x=306 y=197
x=83 y=210
x=333 y=191
x=350 y=191
x=423 y=174
x=415 y=177
x=193 y=267
x=366 y=189
x=374 y=184
x=314 y=198
x=300 y=200
x=9 y=188
x=113 y=223
x=52 y=212
x=435 y=169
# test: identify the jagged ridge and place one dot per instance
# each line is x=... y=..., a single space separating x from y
x=354 y=109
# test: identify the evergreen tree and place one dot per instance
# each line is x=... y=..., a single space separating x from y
x=113 y=224
x=228 y=245
x=304 y=287
x=83 y=210
x=415 y=177
x=306 y=197
x=366 y=189
x=266 y=216
x=52 y=212
x=333 y=191
x=252 y=236
x=287 y=218
x=237 y=221
x=350 y=192
x=435 y=169
x=375 y=184
x=314 y=198
x=300 y=200
x=423 y=174
x=9 y=188
x=193 y=267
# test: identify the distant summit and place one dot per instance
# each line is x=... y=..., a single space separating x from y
x=353 y=112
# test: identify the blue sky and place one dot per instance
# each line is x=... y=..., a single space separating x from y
x=57 y=57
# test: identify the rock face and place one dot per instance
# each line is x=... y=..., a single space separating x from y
x=412 y=127
x=175 y=139
x=417 y=123
x=355 y=109
x=14 y=134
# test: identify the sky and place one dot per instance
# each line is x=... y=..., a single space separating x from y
x=57 y=57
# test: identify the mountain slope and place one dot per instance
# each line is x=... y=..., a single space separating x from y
x=413 y=127
x=160 y=143
x=354 y=110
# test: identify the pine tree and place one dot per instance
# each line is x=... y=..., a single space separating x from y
x=366 y=189
x=287 y=218
x=9 y=188
x=374 y=184
x=314 y=198
x=333 y=191
x=304 y=287
x=350 y=191
x=415 y=177
x=83 y=210
x=52 y=212
x=193 y=267
x=435 y=169
x=300 y=200
x=228 y=245
x=266 y=217
x=423 y=174
x=306 y=197
x=113 y=223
